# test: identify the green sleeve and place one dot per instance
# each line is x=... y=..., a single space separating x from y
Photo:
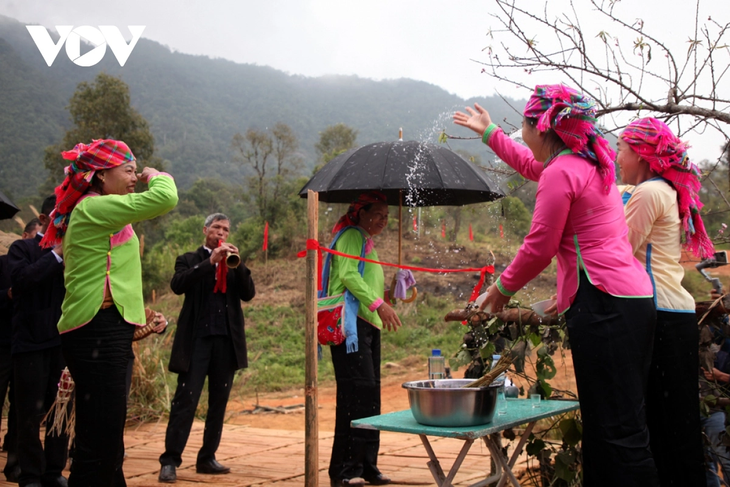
x=115 y=211
x=351 y=243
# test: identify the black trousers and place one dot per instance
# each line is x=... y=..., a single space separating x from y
x=97 y=355
x=36 y=384
x=355 y=451
x=7 y=386
x=672 y=403
x=213 y=356
x=611 y=341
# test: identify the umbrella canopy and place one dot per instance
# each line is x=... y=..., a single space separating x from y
x=409 y=173
x=7 y=207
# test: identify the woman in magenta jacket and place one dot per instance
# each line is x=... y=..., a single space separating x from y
x=603 y=291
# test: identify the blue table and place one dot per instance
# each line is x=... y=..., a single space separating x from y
x=519 y=411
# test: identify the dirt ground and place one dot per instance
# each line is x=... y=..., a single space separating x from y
x=393 y=397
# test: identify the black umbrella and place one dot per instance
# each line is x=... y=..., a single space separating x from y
x=409 y=173
x=7 y=207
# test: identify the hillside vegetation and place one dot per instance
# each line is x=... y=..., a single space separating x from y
x=195 y=104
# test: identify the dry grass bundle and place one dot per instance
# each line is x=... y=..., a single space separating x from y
x=502 y=365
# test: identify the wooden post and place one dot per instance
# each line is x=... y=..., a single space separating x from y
x=311 y=426
x=400 y=227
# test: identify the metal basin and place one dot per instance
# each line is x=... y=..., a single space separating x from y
x=445 y=402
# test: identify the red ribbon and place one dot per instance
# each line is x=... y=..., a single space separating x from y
x=501 y=231
x=221 y=275
x=415 y=224
x=471 y=234
x=443 y=229
x=314 y=245
x=266 y=237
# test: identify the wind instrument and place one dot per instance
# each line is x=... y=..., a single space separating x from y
x=233 y=260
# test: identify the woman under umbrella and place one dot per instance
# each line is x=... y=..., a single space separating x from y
x=357 y=360
x=604 y=292
x=96 y=205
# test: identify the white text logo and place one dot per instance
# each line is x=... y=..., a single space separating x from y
x=99 y=37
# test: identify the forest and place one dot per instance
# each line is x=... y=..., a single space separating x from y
x=194 y=105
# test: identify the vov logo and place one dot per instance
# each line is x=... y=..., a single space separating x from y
x=100 y=37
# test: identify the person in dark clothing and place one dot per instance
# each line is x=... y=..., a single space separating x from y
x=32 y=228
x=12 y=469
x=210 y=341
x=36 y=276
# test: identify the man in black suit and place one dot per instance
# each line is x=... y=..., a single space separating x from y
x=32 y=228
x=11 y=470
x=210 y=341
x=36 y=276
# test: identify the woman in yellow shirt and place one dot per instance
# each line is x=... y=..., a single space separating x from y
x=661 y=206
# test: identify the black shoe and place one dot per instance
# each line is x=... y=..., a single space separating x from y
x=59 y=481
x=167 y=474
x=379 y=479
x=13 y=475
x=211 y=467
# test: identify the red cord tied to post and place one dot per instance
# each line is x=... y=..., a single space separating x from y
x=314 y=245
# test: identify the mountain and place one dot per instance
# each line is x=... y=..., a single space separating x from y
x=195 y=105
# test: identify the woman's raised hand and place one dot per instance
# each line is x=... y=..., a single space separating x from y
x=476 y=118
x=146 y=174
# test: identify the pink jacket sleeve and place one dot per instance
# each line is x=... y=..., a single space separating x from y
x=556 y=190
x=518 y=156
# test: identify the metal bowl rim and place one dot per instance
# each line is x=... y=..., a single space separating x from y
x=409 y=385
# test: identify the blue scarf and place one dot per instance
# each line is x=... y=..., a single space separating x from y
x=352 y=304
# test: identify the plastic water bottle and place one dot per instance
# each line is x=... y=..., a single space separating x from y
x=436 y=365
x=503 y=375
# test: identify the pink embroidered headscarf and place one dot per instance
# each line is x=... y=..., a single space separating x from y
x=351 y=218
x=573 y=118
x=85 y=161
x=667 y=156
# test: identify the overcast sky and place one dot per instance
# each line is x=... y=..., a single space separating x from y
x=429 y=40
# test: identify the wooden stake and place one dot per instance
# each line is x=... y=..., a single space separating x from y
x=311 y=426
x=400 y=227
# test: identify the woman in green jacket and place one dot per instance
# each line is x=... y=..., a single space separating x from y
x=96 y=205
x=357 y=360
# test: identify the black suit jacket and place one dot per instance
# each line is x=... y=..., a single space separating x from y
x=38 y=291
x=6 y=305
x=190 y=272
